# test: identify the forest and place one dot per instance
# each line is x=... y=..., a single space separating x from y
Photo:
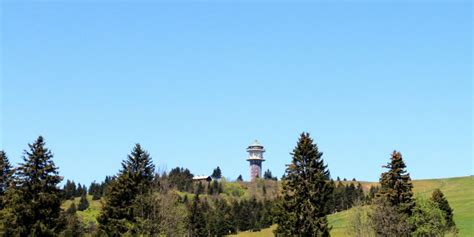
x=140 y=201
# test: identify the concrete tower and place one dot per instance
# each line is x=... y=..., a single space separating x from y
x=255 y=158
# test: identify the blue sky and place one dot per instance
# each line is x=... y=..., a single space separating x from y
x=196 y=82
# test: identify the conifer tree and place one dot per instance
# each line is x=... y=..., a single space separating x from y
x=396 y=187
x=268 y=175
x=196 y=220
x=5 y=174
x=32 y=208
x=134 y=179
x=239 y=178
x=440 y=200
x=83 y=203
x=306 y=191
x=217 y=173
x=72 y=209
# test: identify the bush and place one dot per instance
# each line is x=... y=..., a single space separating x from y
x=360 y=224
x=428 y=219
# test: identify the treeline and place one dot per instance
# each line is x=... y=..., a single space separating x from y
x=136 y=201
x=139 y=202
x=218 y=217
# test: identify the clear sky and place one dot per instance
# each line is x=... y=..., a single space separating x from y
x=196 y=82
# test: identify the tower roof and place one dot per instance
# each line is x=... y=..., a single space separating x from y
x=255 y=143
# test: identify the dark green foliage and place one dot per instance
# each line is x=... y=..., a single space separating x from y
x=72 y=209
x=440 y=200
x=73 y=225
x=395 y=185
x=199 y=189
x=134 y=179
x=197 y=222
x=221 y=221
x=239 y=178
x=5 y=173
x=69 y=190
x=213 y=188
x=98 y=190
x=306 y=191
x=217 y=173
x=268 y=175
x=83 y=203
x=5 y=176
x=32 y=207
x=372 y=193
x=181 y=179
x=80 y=190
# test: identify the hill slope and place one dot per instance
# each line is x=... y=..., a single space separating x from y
x=459 y=192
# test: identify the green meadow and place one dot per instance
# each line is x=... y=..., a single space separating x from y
x=459 y=192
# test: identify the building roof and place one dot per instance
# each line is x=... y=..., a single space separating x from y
x=202 y=177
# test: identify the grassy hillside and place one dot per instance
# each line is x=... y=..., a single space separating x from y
x=458 y=191
x=90 y=214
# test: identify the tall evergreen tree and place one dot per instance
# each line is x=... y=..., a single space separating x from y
x=239 y=178
x=306 y=190
x=217 y=173
x=440 y=200
x=134 y=179
x=268 y=175
x=83 y=203
x=196 y=220
x=33 y=206
x=395 y=185
x=5 y=174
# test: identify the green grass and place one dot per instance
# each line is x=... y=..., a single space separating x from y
x=458 y=191
x=88 y=215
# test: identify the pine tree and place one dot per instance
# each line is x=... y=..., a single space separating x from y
x=5 y=174
x=396 y=187
x=239 y=178
x=33 y=207
x=306 y=191
x=134 y=179
x=69 y=190
x=72 y=209
x=216 y=174
x=83 y=203
x=440 y=200
x=196 y=220
x=268 y=175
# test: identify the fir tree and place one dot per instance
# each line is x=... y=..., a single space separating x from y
x=83 y=203
x=440 y=200
x=268 y=175
x=239 y=178
x=69 y=190
x=306 y=191
x=5 y=173
x=196 y=220
x=216 y=174
x=134 y=179
x=72 y=209
x=33 y=207
x=396 y=187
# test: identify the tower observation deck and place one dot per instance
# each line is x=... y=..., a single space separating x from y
x=255 y=159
